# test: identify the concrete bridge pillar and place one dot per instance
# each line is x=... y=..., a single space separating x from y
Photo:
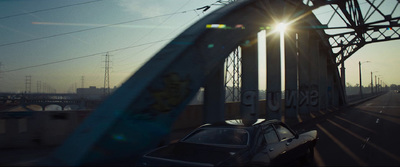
x=291 y=91
x=314 y=86
x=63 y=106
x=330 y=90
x=343 y=75
x=335 y=101
x=304 y=74
x=322 y=78
x=249 y=91
x=214 y=96
x=274 y=93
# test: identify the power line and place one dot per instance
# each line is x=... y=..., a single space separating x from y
x=48 y=9
x=140 y=51
x=91 y=55
x=148 y=33
x=208 y=6
x=95 y=54
x=151 y=31
x=104 y=26
x=89 y=29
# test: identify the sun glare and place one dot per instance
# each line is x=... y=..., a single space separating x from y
x=281 y=27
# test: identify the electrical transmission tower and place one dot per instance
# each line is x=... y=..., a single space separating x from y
x=82 y=80
x=39 y=86
x=44 y=87
x=28 y=84
x=107 y=76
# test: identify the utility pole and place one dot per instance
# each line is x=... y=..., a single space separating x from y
x=0 y=73
x=372 y=84
x=379 y=86
x=376 y=85
x=107 y=75
x=359 y=68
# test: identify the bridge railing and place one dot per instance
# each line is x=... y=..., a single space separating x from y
x=358 y=97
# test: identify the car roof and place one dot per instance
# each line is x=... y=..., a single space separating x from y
x=239 y=123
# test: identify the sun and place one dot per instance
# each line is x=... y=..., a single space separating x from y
x=281 y=27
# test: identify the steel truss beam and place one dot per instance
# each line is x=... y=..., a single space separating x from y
x=233 y=75
x=359 y=28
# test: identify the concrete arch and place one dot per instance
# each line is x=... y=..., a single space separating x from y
x=72 y=107
x=34 y=107
x=137 y=115
x=48 y=106
x=46 y=102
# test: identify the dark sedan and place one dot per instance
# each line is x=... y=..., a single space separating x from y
x=231 y=143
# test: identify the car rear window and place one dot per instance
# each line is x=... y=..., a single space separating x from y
x=220 y=136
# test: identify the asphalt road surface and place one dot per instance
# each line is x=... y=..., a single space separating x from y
x=365 y=135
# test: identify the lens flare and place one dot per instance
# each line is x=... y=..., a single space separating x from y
x=281 y=27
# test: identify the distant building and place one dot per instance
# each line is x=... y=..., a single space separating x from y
x=92 y=92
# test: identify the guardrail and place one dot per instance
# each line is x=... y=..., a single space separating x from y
x=358 y=97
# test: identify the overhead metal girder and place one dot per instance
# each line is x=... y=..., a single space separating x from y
x=359 y=28
x=349 y=43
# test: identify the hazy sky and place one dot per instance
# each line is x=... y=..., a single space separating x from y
x=139 y=24
x=77 y=34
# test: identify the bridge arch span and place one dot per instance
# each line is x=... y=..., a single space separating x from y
x=71 y=107
x=44 y=103
x=54 y=107
x=137 y=115
x=35 y=107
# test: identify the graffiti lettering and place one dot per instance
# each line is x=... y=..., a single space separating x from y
x=314 y=96
x=306 y=97
x=248 y=109
x=274 y=101
x=290 y=98
x=249 y=98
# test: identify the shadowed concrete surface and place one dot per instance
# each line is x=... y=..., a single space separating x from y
x=364 y=134
x=23 y=156
x=30 y=156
